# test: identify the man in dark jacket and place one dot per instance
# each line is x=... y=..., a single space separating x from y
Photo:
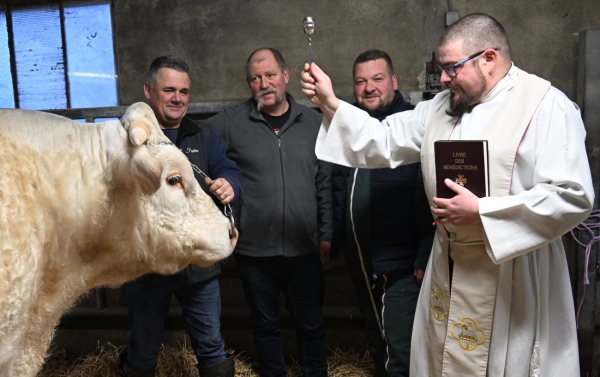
x=167 y=88
x=286 y=189
x=384 y=225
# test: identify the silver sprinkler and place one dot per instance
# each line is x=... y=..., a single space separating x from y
x=309 y=28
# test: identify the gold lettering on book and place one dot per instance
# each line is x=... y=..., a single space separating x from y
x=460 y=167
x=467 y=333
x=438 y=305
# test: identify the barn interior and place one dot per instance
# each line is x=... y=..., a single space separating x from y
x=556 y=40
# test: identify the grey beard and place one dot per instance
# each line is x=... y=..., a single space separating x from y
x=259 y=102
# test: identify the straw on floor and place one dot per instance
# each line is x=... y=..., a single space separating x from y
x=181 y=363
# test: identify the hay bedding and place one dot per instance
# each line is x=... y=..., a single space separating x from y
x=181 y=363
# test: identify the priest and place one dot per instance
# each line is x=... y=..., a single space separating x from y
x=496 y=298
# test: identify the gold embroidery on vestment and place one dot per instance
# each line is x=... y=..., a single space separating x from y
x=438 y=305
x=467 y=333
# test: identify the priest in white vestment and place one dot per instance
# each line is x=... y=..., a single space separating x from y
x=496 y=298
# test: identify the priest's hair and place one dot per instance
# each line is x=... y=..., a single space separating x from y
x=477 y=32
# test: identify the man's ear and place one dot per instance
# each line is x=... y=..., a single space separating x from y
x=490 y=57
x=147 y=90
x=395 y=82
x=286 y=75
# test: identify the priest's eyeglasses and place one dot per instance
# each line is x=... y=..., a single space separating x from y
x=452 y=69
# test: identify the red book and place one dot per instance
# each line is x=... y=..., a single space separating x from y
x=464 y=162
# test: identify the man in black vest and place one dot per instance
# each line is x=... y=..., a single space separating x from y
x=167 y=89
x=384 y=226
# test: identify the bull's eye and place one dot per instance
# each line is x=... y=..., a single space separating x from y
x=174 y=179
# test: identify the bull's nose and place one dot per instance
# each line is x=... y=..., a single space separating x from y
x=233 y=235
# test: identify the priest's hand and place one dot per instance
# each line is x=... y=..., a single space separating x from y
x=316 y=86
x=463 y=209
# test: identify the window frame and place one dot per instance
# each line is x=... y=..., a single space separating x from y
x=8 y=7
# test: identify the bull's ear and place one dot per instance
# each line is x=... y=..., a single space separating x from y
x=139 y=168
x=147 y=172
x=138 y=132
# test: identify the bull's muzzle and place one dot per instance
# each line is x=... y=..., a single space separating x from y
x=233 y=235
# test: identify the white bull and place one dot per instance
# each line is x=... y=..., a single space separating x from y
x=85 y=205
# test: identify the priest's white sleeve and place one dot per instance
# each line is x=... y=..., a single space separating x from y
x=355 y=139
x=551 y=190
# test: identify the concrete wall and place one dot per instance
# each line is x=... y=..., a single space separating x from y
x=216 y=37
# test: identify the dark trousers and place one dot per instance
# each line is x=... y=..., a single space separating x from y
x=399 y=305
x=149 y=303
x=369 y=301
x=301 y=281
x=391 y=304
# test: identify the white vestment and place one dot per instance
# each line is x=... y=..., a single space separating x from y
x=551 y=192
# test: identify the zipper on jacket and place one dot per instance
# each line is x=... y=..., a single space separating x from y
x=283 y=193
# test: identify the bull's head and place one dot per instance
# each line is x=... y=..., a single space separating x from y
x=187 y=221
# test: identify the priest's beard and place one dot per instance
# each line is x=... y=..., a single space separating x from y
x=465 y=102
x=260 y=104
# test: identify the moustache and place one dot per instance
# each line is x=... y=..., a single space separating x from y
x=267 y=91
x=452 y=86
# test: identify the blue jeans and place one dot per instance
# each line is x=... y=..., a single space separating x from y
x=149 y=302
x=399 y=305
x=301 y=281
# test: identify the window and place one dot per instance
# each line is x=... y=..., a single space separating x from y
x=62 y=56
x=7 y=98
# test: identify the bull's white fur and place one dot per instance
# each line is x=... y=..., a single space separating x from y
x=84 y=205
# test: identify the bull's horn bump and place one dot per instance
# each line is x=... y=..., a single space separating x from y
x=138 y=133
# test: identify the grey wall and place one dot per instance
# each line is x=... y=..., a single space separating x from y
x=216 y=37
